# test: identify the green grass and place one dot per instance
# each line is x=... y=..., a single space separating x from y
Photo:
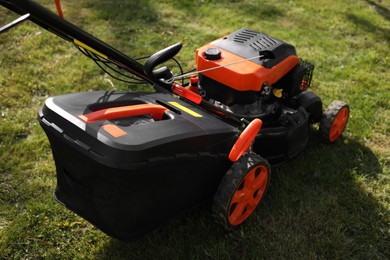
x=331 y=202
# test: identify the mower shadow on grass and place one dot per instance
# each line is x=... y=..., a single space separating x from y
x=315 y=208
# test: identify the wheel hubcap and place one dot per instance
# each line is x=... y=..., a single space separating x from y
x=248 y=195
x=338 y=124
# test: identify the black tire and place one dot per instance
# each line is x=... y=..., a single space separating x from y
x=313 y=105
x=333 y=121
x=241 y=190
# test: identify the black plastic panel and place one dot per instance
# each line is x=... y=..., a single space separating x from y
x=247 y=43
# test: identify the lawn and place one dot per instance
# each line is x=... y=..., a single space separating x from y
x=333 y=201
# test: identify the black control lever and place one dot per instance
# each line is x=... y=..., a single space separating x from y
x=159 y=58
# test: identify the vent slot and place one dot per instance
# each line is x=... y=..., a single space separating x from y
x=263 y=44
x=245 y=36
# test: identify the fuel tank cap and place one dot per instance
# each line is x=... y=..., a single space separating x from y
x=212 y=54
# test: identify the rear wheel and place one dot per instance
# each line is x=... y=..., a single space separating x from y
x=333 y=122
x=241 y=190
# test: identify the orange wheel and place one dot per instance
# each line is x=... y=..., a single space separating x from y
x=241 y=190
x=333 y=122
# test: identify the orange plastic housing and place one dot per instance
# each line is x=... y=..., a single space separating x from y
x=242 y=76
x=245 y=140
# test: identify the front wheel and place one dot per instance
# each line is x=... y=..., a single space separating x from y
x=241 y=190
x=333 y=122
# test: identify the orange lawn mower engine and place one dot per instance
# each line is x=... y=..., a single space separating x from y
x=247 y=66
x=254 y=75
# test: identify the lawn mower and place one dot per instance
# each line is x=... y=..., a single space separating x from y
x=129 y=161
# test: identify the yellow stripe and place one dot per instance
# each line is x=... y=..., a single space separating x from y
x=83 y=45
x=185 y=109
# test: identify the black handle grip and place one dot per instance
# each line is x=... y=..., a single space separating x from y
x=160 y=57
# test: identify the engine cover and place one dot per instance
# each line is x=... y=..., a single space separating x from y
x=270 y=60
